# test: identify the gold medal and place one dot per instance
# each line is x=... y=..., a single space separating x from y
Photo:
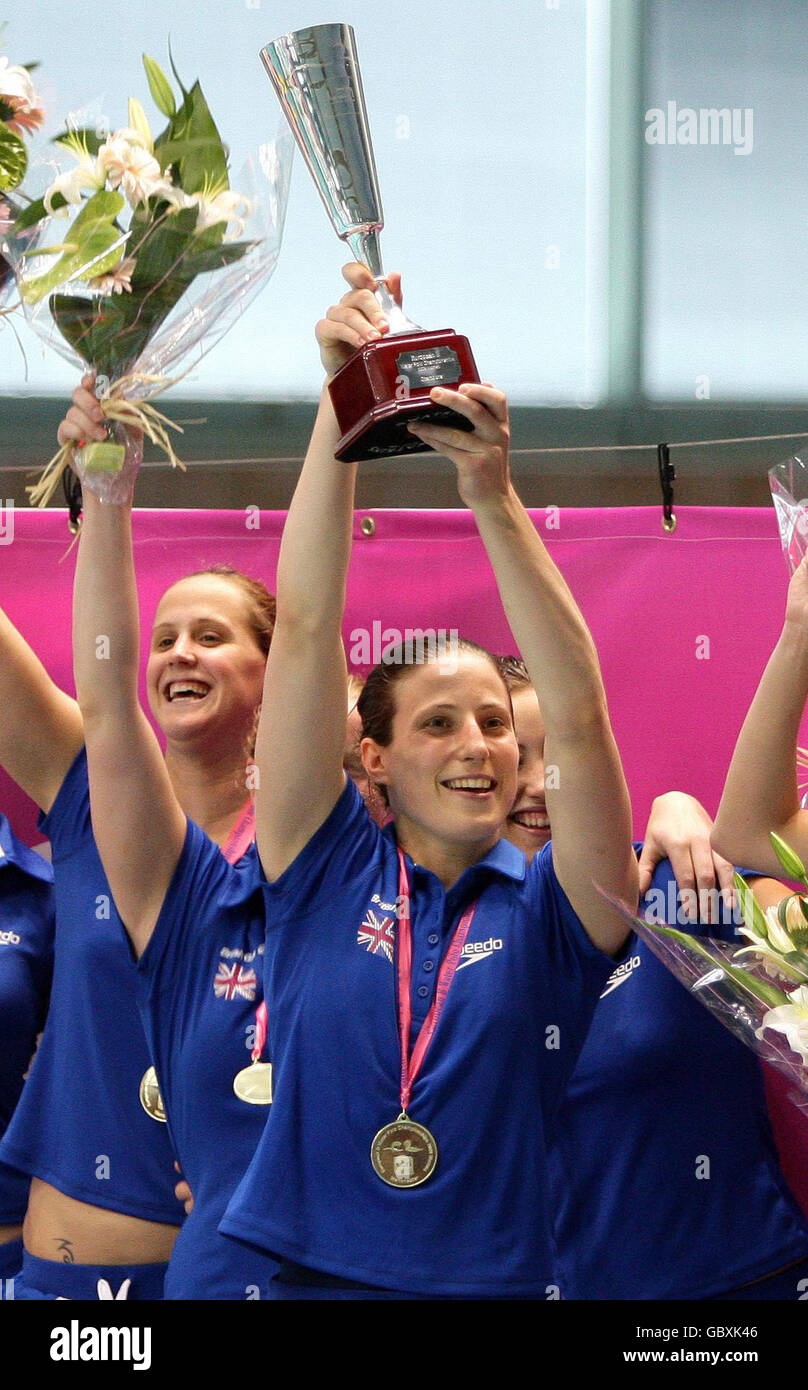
x=254 y=1083
x=150 y=1097
x=404 y=1154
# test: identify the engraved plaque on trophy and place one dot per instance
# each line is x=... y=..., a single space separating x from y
x=385 y=386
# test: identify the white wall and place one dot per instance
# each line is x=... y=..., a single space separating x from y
x=726 y=234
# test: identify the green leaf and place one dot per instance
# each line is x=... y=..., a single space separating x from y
x=13 y=159
x=159 y=86
x=759 y=989
x=36 y=211
x=161 y=250
x=174 y=70
x=203 y=149
x=791 y=863
x=93 y=232
x=105 y=204
x=753 y=913
x=89 y=327
x=215 y=257
x=195 y=146
x=86 y=136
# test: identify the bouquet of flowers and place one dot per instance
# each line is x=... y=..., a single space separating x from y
x=759 y=990
x=159 y=259
x=20 y=114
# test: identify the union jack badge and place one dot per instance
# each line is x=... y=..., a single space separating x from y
x=234 y=981
x=377 y=934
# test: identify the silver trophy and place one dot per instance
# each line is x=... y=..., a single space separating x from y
x=386 y=384
x=315 y=73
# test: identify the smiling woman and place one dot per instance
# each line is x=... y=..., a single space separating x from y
x=368 y=928
x=205 y=670
x=209 y=642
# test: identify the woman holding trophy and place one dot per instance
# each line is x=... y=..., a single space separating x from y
x=370 y=930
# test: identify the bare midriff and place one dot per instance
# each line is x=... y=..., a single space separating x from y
x=57 y=1227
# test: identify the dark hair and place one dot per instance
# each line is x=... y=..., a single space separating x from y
x=261 y=601
x=377 y=703
x=514 y=672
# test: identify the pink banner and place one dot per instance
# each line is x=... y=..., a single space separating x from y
x=684 y=623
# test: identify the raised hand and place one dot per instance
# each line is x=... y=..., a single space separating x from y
x=481 y=456
x=85 y=419
x=357 y=319
x=112 y=479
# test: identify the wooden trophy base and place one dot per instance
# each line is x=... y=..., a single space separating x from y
x=385 y=387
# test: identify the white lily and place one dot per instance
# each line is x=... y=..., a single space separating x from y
x=86 y=177
x=771 y=961
x=791 y=1019
x=139 y=123
x=226 y=206
x=778 y=936
x=16 y=84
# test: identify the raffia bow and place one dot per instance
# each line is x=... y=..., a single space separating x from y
x=138 y=414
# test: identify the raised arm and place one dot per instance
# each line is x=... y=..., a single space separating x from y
x=587 y=801
x=138 y=824
x=760 y=794
x=40 y=726
x=301 y=733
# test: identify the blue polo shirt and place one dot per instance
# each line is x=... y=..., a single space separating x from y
x=201 y=981
x=512 y=1027
x=665 y=1175
x=26 y=966
x=79 y=1124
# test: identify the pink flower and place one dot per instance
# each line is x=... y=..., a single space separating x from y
x=26 y=120
x=17 y=92
x=117 y=280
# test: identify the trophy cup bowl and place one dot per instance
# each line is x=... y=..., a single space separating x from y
x=385 y=385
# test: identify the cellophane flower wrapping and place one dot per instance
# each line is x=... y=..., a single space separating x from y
x=148 y=254
x=788 y=482
x=742 y=988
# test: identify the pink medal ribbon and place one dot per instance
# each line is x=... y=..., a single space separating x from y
x=241 y=836
x=411 y=1065
x=238 y=842
x=261 y=1018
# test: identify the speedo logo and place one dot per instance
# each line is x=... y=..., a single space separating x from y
x=621 y=974
x=9 y=938
x=479 y=950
